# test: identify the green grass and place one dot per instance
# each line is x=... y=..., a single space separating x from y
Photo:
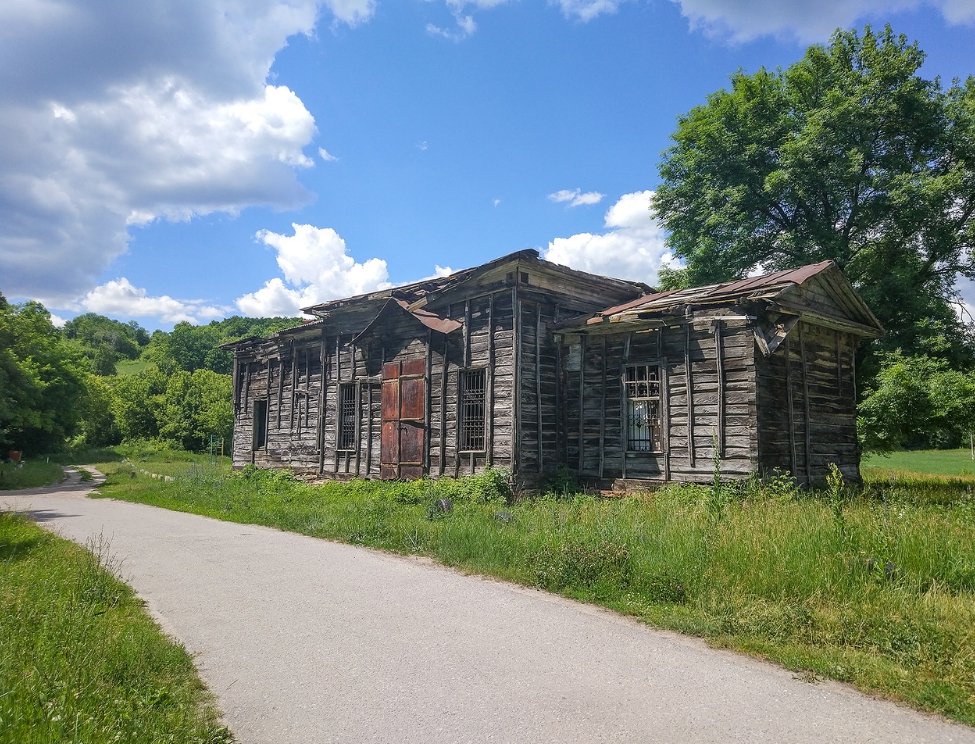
x=80 y=660
x=29 y=474
x=876 y=588
x=126 y=367
x=932 y=462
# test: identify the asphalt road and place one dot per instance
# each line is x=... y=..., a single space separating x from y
x=308 y=641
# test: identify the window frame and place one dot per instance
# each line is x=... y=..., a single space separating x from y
x=259 y=434
x=344 y=415
x=463 y=421
x=655 y=441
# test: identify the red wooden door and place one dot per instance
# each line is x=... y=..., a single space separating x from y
x=402 y=442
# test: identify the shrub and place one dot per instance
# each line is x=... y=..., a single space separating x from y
x=583 y=565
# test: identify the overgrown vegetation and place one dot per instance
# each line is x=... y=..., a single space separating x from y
x=80 y=660
x=28 y=474
x=873 y=586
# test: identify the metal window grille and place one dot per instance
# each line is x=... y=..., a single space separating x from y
x=347 y=417
x=643 y=428
x=472 y=409
x=260 y=423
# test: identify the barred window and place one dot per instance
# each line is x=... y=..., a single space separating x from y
x=472 y=409
x=347 y=417
x=642 y=385
x=260 y=423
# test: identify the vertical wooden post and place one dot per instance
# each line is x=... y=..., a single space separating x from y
x=443 y=410
x=516 y=382
x=689 y=382
x=236 y=373
x=538 y=384
x=369 y=428
x=624 y=410
x=791 y=405
x=280 y=393
x=719 y=357
x=467 y=333
x=489 y=407
x=602 y=414
x=805 y=402
x=247 y=384
x=460 y=388
x=338 y=399
x=582 y=398
x=358 y=424
x=294 y=385
x=427 y=395
x=665 y=412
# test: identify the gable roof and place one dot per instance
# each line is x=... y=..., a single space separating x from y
x=782 y=290
x=420 y=293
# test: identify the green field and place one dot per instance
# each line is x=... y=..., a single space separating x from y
x=80 y=660
x=933 y=462
x=126 y=367
x=874 y=587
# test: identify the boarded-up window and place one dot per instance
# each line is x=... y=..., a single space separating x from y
x=472 y=410
x=642 y=385
x=347 y=417
x=260 y=423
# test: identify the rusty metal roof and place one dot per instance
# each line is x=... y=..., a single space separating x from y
x=763 y=287
x=424 y=317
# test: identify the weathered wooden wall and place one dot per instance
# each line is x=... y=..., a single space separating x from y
x=807 y=405
x=721 y=410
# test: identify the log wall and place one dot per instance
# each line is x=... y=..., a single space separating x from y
x=807 y=405
x=716 y=357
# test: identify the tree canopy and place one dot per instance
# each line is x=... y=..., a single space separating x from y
x=848 y=155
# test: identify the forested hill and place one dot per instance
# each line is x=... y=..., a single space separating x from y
x=97 y=381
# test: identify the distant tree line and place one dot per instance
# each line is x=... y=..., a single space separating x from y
x=99 y=381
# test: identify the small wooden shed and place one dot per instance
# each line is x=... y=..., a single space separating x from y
x=519 y=363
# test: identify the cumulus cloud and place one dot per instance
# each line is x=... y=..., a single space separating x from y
x=326 y=156
x=632 y=247
x=116 y=114
x=316 y=266
x=586 y=10
x=576 y=197
x=119 y=298
x=744 y=20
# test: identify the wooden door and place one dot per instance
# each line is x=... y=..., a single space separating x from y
x=402 y=443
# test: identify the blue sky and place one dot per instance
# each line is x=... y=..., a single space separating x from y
x=190 y=159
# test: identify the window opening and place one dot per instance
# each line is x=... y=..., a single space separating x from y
x=472 y=409
x=347 y=417
x=260 y=423
x=643 y=429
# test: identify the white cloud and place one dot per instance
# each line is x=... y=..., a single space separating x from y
x=119 y=298
x=496 y=202
x=57 y=321
x=326 y=156
x=744 y=20
x=586 y=10
x=316 y=267
x=632 y=247
x=423 y=146
x=114 y=115
x=576 y=197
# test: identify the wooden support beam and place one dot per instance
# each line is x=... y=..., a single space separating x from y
x=358 y=425
x=689 y=382
x=582 y=399
x=489 y=407
x=294 y=386
x=338 y=398
x=516 y=383
x=665 y=412
x=247 y=384
x=443 y=409
x=280 y=393
x=807 y=429
x=459 y=393
x=791 y=406
x=719 y=358
x=369 y=428
x=467 y=333
x=624 y=412
x=538 y=384
x=602 y=414
x=427 y=396
x=236 y=374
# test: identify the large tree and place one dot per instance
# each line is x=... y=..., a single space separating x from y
x=851 y=155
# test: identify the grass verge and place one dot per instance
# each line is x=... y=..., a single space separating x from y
x=875 y=588
x=80 y=660
x=29 y=474
x=957 y=462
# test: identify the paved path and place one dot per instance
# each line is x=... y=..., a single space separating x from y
x=308 y=641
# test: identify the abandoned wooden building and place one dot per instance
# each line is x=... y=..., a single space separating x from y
x=519 y=363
